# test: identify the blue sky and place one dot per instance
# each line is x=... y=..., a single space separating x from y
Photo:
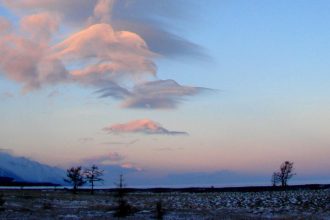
x=252 y=91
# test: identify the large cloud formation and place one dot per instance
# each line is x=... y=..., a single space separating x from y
x=108 y=45
x=144 y=126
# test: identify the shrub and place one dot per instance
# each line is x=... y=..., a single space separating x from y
x=159 y=210
x=123 y=208
x=47 y=205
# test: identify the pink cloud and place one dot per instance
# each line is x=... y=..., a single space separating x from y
x=115 y=55
x=102 y=52
x=138 y=16
x=131 y=166
x=28 y=60
x=41 y=26
x=102 y=11
x=29 y=63
x=5 y=25
x=145 y=126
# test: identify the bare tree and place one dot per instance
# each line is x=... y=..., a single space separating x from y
x=285 y=173
x=92 y=175
x=123 y=208
x=75 y=177
x=275 y=179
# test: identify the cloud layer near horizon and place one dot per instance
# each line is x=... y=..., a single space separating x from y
x=108 y=45
x=112 y=159
x=144 y=126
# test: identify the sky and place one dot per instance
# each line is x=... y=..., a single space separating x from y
x=168 y=87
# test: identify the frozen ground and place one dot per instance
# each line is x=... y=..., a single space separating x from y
x=61 y=204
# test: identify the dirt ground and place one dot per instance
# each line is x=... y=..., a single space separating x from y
x=62 y=204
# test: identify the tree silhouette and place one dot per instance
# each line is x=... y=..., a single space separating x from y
x=275 y=179
x=92 y=175
x=123 y=208
x=75 y=177
x=285 y=173
x=120 y=192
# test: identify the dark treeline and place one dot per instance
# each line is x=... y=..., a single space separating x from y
x=77 y=177
x=201 y=189
x=217 y=189
x=205 y=189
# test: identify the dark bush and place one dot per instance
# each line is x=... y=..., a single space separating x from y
x=124 y=209
x=159 y=210
x=47 y=205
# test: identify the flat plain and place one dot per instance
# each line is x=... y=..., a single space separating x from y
x=62 y=204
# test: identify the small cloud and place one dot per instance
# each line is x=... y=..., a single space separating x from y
x=121 y=143
x=86 y=139
x=53 y=94
x=144 y=126
x=107 y=159
x=115 y=156
x=159 y=94
x=168 y=149
x=131 y=166
x=7 y=95
x=164 y=149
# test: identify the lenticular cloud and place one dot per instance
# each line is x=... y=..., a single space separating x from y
x=143 y=126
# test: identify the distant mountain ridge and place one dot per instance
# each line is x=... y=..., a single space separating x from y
x=24 y=169
x=5 y=173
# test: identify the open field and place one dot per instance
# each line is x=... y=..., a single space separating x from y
x=62 y=204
